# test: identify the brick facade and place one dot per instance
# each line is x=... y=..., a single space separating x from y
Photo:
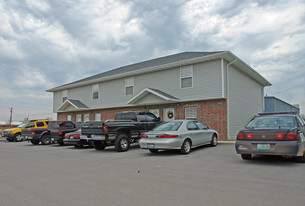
x=210 y=112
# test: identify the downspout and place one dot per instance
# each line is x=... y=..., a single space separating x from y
x=228 y=108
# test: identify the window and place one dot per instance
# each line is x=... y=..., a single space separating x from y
x=129 y=84
x=69 y=125
x=39 y=124
x=186 y=75
x=64 y=95
x=78 y=117
x=95 y=91
x=69 y=117
x=190 y=112
x=30 y=125
x=86 y=117
x=201 y=126
x=191 y=126
x=98 y=117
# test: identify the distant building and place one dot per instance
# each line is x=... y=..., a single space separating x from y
x=273 y=104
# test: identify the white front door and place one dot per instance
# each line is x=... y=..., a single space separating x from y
x=168 y=114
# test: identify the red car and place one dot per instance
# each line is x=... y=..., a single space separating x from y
x=273 y=134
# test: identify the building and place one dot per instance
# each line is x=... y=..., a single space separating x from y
x=216 y=88
x=273 y=104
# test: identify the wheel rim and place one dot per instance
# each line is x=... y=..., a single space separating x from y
x=187 y=146
x=214 y=140
x=124 y=143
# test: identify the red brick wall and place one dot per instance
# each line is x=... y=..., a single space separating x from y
x=212 y=113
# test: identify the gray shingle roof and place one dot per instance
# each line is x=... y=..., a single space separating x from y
x=146 y=64
x=77 y=103
x=164 y=94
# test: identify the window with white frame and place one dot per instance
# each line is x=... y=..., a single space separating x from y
x=86 y=117
x=69 y=117
x=64 y=95
x=186 y=75
x=129 y=84
x=190 y=112
x=98 y=117
x=95 y=91
x=78 y=117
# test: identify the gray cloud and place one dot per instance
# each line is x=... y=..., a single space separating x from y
x=44 y=44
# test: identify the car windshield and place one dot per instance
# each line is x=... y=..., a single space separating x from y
x=21 y=125
x=272 y=122
x=168 y=126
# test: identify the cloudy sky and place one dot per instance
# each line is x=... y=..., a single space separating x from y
x=47 y=43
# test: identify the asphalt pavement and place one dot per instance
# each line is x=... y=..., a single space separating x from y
x=36 y=175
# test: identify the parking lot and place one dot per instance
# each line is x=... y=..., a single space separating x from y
x=62 y=175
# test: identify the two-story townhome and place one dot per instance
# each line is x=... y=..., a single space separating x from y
x=216 y=88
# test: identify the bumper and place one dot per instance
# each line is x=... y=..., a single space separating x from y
x=102 y=137
x=289 y=148
x=161 y=143
x=34 y=137
x=71 y=141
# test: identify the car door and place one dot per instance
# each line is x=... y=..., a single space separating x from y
x=193 y=132
x=205 y=133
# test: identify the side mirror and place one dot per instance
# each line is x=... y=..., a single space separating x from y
x=157 y=119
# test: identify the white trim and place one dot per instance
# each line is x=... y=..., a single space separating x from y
x=222 y=79
x=146 y=91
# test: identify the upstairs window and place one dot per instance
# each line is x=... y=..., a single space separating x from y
x=95 y=91
x=129 y=84
x=186 y=75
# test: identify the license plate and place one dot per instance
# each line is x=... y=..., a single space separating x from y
x=263 y=146
x=71 y=137
x=150 y=146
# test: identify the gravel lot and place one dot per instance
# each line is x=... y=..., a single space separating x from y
x=54 y=175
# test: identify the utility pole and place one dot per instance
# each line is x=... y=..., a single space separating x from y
x=11 y=115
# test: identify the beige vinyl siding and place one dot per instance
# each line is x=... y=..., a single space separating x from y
x=245 y=100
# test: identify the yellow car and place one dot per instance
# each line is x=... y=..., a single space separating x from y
x=14 y=134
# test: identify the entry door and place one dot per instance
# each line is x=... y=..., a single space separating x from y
x=168 y=114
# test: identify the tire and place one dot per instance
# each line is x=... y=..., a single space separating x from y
x=61 y=142
x=35 y=141
x=153 y=150
x=301 y=158
x=45 y=140
x=246 y=156
x=122 y=143
x=10 y=139
x=79 y=144
x=186 y=147
x=17 y=137
x=214 y=141
x=99 y=145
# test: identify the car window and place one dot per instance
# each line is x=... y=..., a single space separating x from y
x=21 y=125
x=69 y=125
x=39 y=124
x=300 y=121
x=272 y=122
x=168 y=126
x=192 y=126
x=201 y=126
x=30 y=125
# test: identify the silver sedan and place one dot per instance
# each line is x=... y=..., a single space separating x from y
x=178 y=134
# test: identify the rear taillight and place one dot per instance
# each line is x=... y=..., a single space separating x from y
x=67 y=136
x=76 y=136
x=60 y=132
x=144 y=136
x=279 y=136
x=249 y=136
x=166 y=136
x=240 y=136
x=33 y=132
x=105 y=128
x=291 y=135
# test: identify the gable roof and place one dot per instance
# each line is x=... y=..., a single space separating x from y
x=156 y=92
x=161 y=63
x=78 y=105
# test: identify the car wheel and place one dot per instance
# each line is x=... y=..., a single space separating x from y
x=45 y=140
x=246 y=156
x=10 y=139
x=122 y=143
x=186 y=147
x=35 y=141
x=301 y=158
x=17 y=137
x=153 y=150
x=61 y=142
x=79 y=144
x=214 y=141
x=99 y=145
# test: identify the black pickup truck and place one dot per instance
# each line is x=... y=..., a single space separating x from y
x=126 y=128
x=55 y=132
